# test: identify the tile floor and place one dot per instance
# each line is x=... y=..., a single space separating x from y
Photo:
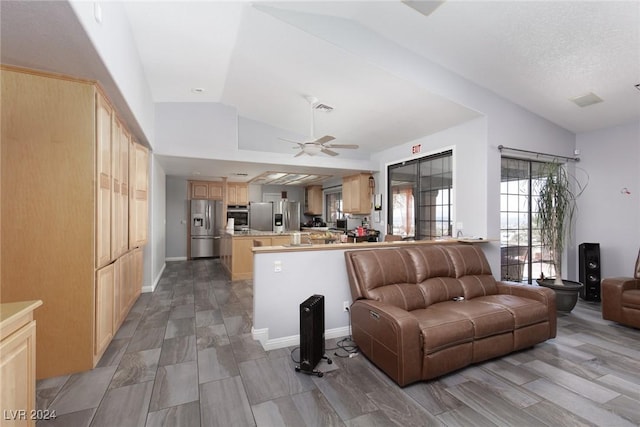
x=184 y=357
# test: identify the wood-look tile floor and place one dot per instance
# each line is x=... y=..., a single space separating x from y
x=185 y=357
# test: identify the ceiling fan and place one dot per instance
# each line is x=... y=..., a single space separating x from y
x=317 y=145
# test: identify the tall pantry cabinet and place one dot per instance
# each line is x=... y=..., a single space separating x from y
x=69 y=192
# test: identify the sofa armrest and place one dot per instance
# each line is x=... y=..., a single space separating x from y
x=390 y=337
x=539 y=293
x=612 y=289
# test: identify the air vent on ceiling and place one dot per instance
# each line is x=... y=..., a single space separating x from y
x=323 y=107
x=425 y=7
x=586 y=100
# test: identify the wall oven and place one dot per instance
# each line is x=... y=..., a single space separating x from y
x=240 y=215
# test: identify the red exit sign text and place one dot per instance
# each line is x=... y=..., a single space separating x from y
x=416 y=149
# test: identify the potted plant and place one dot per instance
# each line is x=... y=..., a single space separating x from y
x=556 y=211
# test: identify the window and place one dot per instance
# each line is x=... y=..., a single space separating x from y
x=420 y=204
x=333 y=205
x=523 y=257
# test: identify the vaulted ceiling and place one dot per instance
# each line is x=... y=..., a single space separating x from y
x=263 y=58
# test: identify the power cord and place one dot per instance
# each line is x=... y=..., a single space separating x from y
x=347 y=345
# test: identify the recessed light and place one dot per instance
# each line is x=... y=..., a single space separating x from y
x=198 y=90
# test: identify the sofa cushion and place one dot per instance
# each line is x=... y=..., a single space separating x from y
x=431 y=261
x=439 y=289
x=631 y=298
x=442 y=328
x=525 y=311
x=478 y=286
x=487 y=320
x=468 y=260
x=406 y=296
x=392 y=268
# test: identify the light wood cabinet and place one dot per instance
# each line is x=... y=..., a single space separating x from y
x=138 y=194
x=356 y=194
x=313 y=200
x=104 y=309
x=57 y=164
x=237 y=253
x=103 y=180
x=215 y=190
x=18 y=363
x=280 y=240
x=212 y=190
x=237 y=193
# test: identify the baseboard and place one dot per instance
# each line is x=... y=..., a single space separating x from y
x=262 y=335
x=176 y=258
x=155 y=282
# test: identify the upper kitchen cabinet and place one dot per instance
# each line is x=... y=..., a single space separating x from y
x=212 y=190
x=313 y=200
x=356 y=194
x=64 y=170
x=237 y=193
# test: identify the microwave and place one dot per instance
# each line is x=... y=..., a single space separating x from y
x=347 y=224
x=240 y=215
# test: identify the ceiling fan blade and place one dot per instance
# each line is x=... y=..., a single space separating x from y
x=342 y=146
x=329 y=152
x=299 y=154
x=290 y=140
x=324 y=139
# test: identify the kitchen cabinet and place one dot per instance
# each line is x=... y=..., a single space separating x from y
x=313 y=200
x=103 y=180
x=120 y=194
x=57 y=231
x=356 y=194
x=237 y=193
x=138 y=195
x=237 y=252
x=212 y=190
x=104 y=304
x=18 y=362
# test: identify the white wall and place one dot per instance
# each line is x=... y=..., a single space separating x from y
x=606 y=214
x=177 y=209
x=154 y=251
x=114 y=42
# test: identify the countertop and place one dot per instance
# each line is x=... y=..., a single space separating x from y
x=362 y=245
x=12 y=312
x=254 y=233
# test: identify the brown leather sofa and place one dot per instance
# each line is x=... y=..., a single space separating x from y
x=406 y=321
x=621 y=298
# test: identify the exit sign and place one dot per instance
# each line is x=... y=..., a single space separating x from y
x=416 y=149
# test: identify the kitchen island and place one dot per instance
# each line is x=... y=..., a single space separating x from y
x=285 y=276
x=236 y=247
x=235 y=250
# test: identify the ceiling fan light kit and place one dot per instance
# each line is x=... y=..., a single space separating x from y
x=318 y=145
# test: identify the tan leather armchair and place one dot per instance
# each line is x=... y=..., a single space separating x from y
x=621 y=298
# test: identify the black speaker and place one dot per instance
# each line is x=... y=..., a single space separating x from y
x=589 y=271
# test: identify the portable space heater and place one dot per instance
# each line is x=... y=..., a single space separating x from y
x=312 y=335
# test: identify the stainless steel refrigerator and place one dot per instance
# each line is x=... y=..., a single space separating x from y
x=261 y=216
x=206 y=225
x=286 y=216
